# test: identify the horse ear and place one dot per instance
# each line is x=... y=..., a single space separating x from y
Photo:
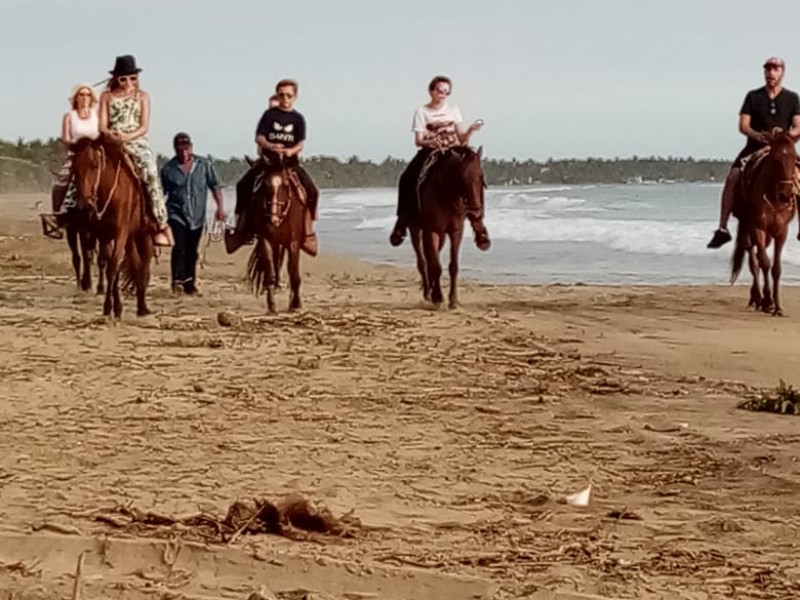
x=249 y=160
x=480 y=151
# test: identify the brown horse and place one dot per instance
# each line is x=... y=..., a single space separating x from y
x=83 y=246
x=108 y=186
x=764 y=207
x=454 y=181
x=278 y=212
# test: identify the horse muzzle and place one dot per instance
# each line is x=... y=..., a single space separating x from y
x=784 y=191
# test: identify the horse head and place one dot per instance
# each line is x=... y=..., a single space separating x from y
x=87 y=167
x=781 y=166
x=470 y=171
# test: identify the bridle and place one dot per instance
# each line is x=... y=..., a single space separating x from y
x=95 y=200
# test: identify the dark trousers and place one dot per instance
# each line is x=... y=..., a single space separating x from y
x=185 y=254
x=407 y=199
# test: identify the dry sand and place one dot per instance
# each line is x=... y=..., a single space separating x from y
x=452 y=435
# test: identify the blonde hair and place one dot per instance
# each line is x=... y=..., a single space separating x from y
x=73 y=96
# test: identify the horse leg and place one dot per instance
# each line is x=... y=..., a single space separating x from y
x=277 y=259
x=764 y=264
x=431 y=242
x=107 y=250
x=755 y=288
x=115 y=266
x=144 y=248
x=295 y=303
x=102 y=262
x=416 y=243
x=455 y=244
x=87 y=250
x=72 y=240
x=266 y=264
x=776 y=273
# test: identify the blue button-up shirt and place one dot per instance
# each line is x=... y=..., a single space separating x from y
x=187 y=193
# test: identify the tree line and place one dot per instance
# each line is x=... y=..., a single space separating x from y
x=30 y=166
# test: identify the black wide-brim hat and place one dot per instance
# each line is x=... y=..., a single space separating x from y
x=125 y=65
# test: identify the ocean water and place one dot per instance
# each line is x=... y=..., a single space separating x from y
x=607 y=234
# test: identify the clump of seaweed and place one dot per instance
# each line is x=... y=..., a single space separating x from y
x=782 y=400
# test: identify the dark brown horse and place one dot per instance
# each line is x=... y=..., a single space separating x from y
x=451 y=183
x=278 y=212
x=764 y=207
x=83 y=246
x=109 y=187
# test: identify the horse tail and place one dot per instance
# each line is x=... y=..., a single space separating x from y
x=130 y=268
x=258 y=268
x=739 y=250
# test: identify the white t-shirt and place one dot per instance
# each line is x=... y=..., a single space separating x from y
x=438 y=122
x=81 y=128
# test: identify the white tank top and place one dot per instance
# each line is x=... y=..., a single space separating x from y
x=84 y=128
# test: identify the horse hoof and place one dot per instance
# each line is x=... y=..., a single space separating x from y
x=453 y=305
x=777 y=312
x=143 y=313
x=86 y=286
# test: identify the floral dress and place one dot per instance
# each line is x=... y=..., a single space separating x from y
x=125 y=116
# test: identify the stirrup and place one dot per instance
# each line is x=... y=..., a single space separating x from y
x=50 y=227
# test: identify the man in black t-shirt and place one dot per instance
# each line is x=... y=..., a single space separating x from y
x=280 y=135
x=764 y=111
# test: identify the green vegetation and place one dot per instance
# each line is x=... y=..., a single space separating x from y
x=30 y=167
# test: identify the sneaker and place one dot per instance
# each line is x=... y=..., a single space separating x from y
x=721 y=237
x=51 y=227
x=482 y=240
x=310 y=246
x=163 y=237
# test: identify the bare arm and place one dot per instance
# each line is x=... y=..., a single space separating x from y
x=66 y=130
x=464 y=135
x=422 y=142
x=102 y=115
x=745 y=129
x=794 y=130
x=293 y=150
x=217 y=193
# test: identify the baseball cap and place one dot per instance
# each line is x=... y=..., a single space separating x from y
x=774 y=61
x=181 y=139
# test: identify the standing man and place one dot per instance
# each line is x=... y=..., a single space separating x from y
x=186 y=180
x=764 y=110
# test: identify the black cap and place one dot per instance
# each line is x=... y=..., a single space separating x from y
x=181 y=139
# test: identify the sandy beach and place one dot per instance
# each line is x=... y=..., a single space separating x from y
x=452 y=436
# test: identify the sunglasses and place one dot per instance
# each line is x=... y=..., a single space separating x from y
x=84 y=94
x=445 y=91
x=772 y=108
x=285 y=95
x=127 y=78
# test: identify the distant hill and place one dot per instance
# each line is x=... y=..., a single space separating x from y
x=30 y=167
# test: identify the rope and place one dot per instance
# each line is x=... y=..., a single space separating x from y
x=213 y=235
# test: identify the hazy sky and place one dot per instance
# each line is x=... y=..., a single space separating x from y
x=561 y=78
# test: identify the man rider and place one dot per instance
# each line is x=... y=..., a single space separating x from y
x=764 y=110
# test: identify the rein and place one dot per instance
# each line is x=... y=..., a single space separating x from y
x=104 y=161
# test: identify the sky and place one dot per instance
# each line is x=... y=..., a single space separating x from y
x=561 y=78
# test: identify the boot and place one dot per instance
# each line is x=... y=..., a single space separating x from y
x=482 y=240
x=310 y=246
x=163 y=237
x=398 y=233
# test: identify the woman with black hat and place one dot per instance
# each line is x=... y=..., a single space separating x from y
x=125 y=115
